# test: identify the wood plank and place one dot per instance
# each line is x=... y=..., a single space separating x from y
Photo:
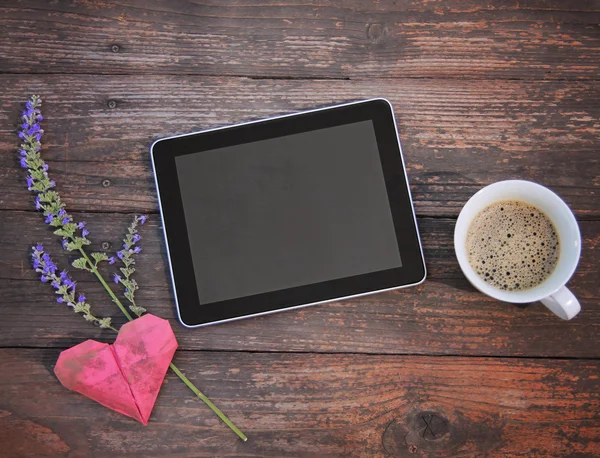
x=444 y=316
x=316 y=405
x=457 y=135
x=325 y=38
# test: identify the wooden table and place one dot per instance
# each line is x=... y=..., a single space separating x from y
x=483 y=91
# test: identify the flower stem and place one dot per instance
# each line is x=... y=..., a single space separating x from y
x=173 y=367
x=208 y=402
x=94 y=269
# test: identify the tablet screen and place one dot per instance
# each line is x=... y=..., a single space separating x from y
x=287 y=211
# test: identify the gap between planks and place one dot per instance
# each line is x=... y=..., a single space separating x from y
x=299 y=78
x=337 y=353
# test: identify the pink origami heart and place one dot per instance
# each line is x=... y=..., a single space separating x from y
x=127 y=375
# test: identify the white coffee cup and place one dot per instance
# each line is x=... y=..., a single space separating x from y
x=552 y=291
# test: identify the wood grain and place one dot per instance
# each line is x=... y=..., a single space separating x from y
x=443 y=316
x=483 y=90
x=295 y=39
x=316 y=405
x=457 y=136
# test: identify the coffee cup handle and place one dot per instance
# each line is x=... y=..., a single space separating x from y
x=562 y=303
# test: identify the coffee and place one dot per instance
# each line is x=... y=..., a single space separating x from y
x=512 y=245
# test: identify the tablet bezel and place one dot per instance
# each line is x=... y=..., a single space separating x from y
x=193 y=313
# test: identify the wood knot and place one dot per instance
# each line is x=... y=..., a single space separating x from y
x=422 y=432
x=432 y=426
x=376 y=32
x=436 y=432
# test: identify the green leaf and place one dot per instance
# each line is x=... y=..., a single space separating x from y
x=78 y=308
x=127 y=271
x=104 y=323
x=99 y=257
x=62 y=232
x=80 y=263
x=70 y=227
x=137 y=309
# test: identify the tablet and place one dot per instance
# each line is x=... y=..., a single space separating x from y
x=286 y=212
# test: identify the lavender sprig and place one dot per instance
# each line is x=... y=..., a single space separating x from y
x=74 y=235
x=64 y=286
x=46 y=200
x=126 y=255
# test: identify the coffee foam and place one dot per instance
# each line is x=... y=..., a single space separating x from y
x=512 y=245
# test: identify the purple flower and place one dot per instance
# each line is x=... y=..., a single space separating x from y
x=25 y=125
x=23 y=162
x=66 y=220
x=38 y=203
x=64 y=275
x=39 y=117
x=22 y=135
x=59 y=300
x=81 y=298
x=111 y=260
x=137 y=249
x=117 y=279
x=61 y=213
x=38 y=137
x=55 y=284
x=29 y=105
x=142 y=219
x=45 y=167
x=124 y=246
x=39 y=247
x=44 y=279
x=49 y=218
x=29 y=182
x=64 y=243
x=120 y=255
x=136 y=238
x=85 y=233
x=36 y=263
x=81 y=225
x=52 y=184
x=22 y=152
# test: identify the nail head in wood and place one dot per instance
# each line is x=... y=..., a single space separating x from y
x=105 y=245
x=115 y=48
x=106 y=183
x=112 y=104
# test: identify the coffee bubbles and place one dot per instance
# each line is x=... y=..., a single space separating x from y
x=512 y=245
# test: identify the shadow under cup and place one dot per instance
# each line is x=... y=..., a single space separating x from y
x=553 y=206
